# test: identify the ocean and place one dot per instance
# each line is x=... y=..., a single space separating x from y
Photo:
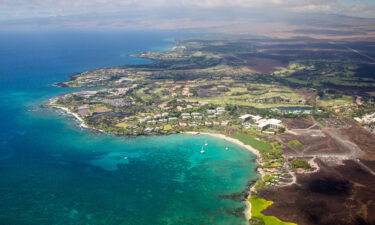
x=53 y=172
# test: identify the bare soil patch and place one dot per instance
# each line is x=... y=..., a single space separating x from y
x=262 y=65
x=297 y=123
x=314 y=142
x=362 y=138
x=342 y=195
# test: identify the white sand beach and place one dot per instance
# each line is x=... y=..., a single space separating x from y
x=76 y=116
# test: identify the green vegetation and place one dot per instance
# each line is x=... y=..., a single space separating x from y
x=208 y=84
x=122 y=125
x=253 y=142
x=200 y=72
x=265 y=182
x=300 y=163
x=295 y=143
x=271 y=151
x=167 y=127
x=260 y=204
x=335 y=101
x=256 y=221
x=292 y=68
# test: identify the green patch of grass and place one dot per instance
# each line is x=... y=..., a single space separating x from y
x=249 y=140
x=122 y=125
x=240 y=100
x=260 y=204
x=167 y=127
x=300 y=163
x=295 y=143
x=273 y=164
x=337 y=101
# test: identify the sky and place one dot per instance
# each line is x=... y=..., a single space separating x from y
x=96 y=12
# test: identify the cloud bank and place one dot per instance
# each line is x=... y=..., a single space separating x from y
x=56 y=11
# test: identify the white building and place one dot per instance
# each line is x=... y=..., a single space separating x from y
x=254 y=118
x=198 y=117
x=149 y=129
x=269 y=123
x=207 y=123
x=211 y=111
x=245 y=117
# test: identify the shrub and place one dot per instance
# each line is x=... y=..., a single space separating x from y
x=300 y=163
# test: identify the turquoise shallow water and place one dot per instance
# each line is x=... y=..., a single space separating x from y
x=52 y=172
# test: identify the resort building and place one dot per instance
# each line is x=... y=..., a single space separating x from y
x=269 y=123
x=245 y=117
x=254 y=118
x=211 y=111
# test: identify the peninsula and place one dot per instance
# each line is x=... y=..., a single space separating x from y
x=305 y=106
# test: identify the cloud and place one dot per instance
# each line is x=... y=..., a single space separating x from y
x=17 y=10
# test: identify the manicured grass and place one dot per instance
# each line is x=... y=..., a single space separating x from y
x=239 y=100
x=249 y=140
x=122 y=125
x=338 y=101
x=260 y=204
x=168 y=127
x=140 y=93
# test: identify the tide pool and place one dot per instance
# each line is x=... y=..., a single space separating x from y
x=53 y=172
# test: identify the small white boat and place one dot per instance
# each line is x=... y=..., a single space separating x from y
x=202 y=151
x=205 y=144
x=226 y=148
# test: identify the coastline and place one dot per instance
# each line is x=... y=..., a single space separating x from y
x=81 y=122
x=233 y=140
x=247 y=210
x=75 y=115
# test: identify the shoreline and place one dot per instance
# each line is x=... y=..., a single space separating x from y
x=81 y=122
x=247 y=211
x=75 y=115
x=233 y=140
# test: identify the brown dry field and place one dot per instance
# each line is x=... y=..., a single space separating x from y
x=308 y=94
x=297 y=123
x=342 y=195
x=361 y=137
x=314 y=140
x=312 y=145
x=338 y=194
x=262 y=65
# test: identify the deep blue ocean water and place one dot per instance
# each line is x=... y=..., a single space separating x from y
x=52 y=172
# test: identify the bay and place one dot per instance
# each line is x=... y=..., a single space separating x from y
x=53 y=172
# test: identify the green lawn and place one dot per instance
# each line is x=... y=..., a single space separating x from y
x=249 y=140
x=260 y=204
x=239 y=100
x=337 y=101
x=122 y=125
x=167 y=127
